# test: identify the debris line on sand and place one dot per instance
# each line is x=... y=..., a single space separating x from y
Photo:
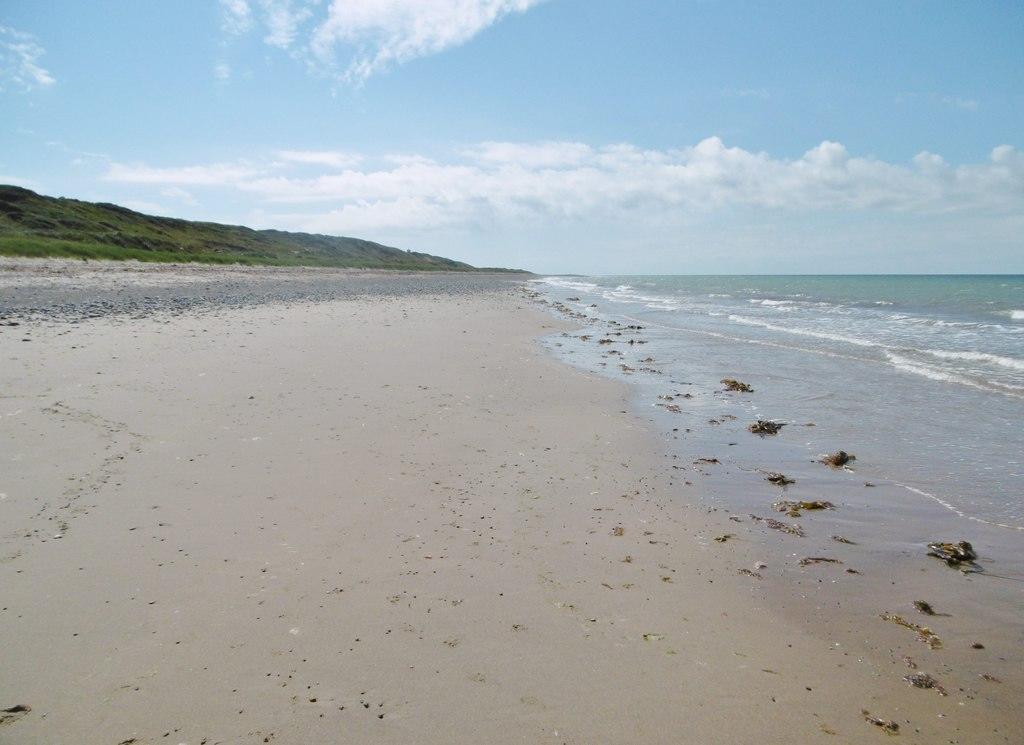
x=924 y=634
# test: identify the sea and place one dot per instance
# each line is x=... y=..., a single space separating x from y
x=922 y=377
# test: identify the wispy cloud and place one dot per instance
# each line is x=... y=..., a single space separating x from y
x=761 y=93
x=283 y=20
x=215 y=174
x=552 y=182
x=329 y=158
x=182 y=195
x=960 y=103
x=355 y=39
x=19 y=61
x=957 y=102
x=18 y=181
x=236 y=16
x=389 y=32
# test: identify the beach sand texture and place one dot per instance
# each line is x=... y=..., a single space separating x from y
x=390 y=519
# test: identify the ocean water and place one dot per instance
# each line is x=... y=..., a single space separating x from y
x=921 y=376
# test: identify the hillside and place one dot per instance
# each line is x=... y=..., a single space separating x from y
x=35 y=225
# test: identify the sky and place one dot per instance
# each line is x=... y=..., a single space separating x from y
x=583 y=136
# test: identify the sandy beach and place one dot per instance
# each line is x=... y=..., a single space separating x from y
x=374 y=509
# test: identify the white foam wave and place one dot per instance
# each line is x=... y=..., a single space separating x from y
x=945 y=376
x=625 y=294
x=909 y=365
x=993 y=359
x=1017 y=315
x=804 y=332
x=954 y=509
x=567 y=284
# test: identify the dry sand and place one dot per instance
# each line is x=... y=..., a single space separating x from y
x=390 y=520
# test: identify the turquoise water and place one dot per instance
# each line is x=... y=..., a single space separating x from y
x=922 y=376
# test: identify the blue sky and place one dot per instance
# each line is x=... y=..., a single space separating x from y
x=559 y=135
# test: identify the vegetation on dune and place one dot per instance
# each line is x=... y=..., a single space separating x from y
x=35 y=225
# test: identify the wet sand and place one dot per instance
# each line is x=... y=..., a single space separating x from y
x=391 y=517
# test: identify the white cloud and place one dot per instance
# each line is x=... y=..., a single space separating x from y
x=548 y=183
x=389 y=32
x=141 y=205
x=761 y=93
x=216 y=174
x=329 y=158
x=236 y=16
x=355 y=39
x=222 y=71
x=969 y=104
x=531 y=155
x=182 y=195
x=282 y=21
x=19 y=61
x=18 y=181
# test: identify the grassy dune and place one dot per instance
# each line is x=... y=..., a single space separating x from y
x=35 y=225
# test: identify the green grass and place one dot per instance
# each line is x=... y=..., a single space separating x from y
x=52 y=247
x=35 y=225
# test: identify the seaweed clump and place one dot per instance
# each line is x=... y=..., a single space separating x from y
x=838 y=459
x=924 y=680
x=779 y=479
x=888 y=726
x=924 y=633
x=774 y=524
x=731 y=384
x=807 y=561
x=793 y=509
x=954 y=554
x=924 y=607
x=765 y=427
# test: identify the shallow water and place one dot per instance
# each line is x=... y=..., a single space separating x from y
x=921 y=377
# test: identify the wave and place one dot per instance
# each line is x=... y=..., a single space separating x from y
x=620 y=294
x=1017 y=315
x=625 y=294
x=911 y=366
x=567 y=284
x=804 y=332
x=994 y=359
x=956 y=510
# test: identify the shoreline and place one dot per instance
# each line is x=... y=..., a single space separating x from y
x=395 y=518
x=725 y=471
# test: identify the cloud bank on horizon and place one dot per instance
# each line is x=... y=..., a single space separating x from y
x=509 y=182
x=373 y=35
